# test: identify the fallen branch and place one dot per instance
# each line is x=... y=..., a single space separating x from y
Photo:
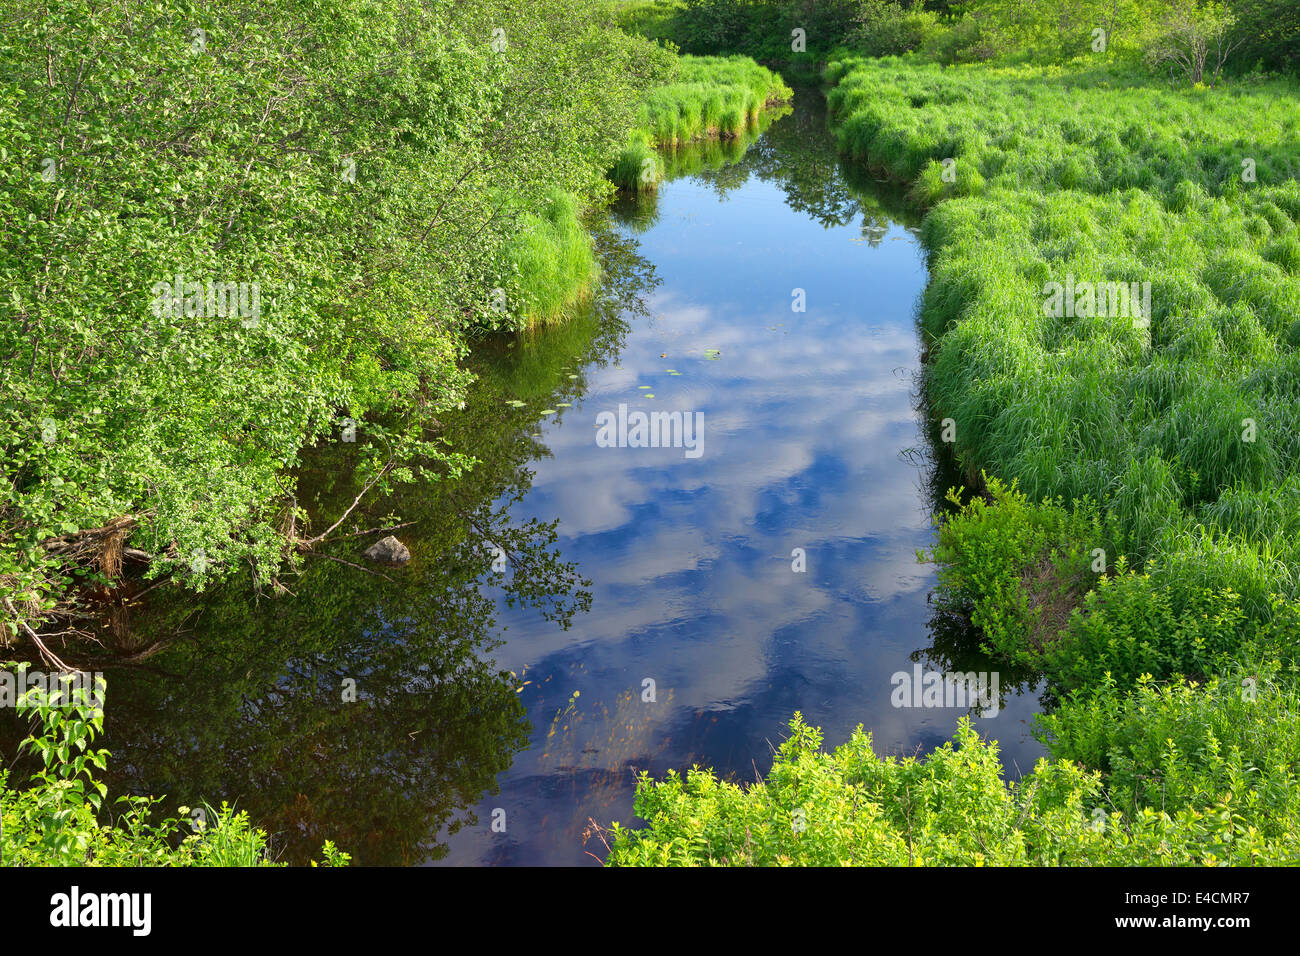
x=46 y=654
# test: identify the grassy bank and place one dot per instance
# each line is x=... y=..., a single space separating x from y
x=554 y=261
x=1180 y=425
x=709 y=98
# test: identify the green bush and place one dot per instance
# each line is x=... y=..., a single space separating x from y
x=1182 y=745
x=950 y=808
x=352 y=178
x=1128 y=628
x=55 y=819
x=1042 y=584
x=886 y=28
x=1016 y=569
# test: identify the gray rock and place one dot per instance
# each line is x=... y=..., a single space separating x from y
x=389 y=551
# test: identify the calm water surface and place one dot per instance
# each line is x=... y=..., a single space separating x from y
x=474 y=701
x=811 y=442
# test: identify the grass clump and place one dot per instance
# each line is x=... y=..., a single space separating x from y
x=710 y=97
x=554 y=261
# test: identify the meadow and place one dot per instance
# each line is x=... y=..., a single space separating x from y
x=1182 y=427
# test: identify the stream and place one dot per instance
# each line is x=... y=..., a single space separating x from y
x=579 y=609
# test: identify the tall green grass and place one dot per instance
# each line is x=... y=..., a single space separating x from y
x=554 y=261
x=711 y=97
x=1080 y=128
x=1186 y=431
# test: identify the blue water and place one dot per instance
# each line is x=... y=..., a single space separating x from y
x=813 y=440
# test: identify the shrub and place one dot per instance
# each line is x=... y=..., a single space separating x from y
x=1183 y=745
x=55 y=820
x=1015 y=569
x=852 y=808
x=885 y=28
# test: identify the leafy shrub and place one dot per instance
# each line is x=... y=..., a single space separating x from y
x=55 y=820
x=852 y=808
x=886 y=28
x=356 y=179
x=1182 y=745
x=1128 y=628
x=1015 y=568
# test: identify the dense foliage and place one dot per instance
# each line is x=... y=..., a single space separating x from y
x=952 y=807
x=377 y=181
x=1262 y=34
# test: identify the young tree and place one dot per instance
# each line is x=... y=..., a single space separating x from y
x=1190 y=35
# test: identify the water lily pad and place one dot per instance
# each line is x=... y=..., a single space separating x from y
x=547 y=411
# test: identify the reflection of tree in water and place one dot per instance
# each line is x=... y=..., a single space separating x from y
x=794 y=149
x=249 y=701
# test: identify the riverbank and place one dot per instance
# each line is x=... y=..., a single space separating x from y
x=231 y=249
x=1167 y=406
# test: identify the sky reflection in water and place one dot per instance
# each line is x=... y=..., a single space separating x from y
x=808 y=421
